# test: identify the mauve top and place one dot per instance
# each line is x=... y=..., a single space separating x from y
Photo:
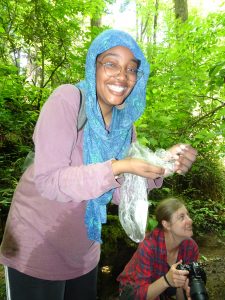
x=45 y=234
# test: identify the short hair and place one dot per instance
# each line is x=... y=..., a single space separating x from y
x=166 y=208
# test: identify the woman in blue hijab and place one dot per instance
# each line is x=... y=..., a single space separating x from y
x=117 y=71
x=51 y=244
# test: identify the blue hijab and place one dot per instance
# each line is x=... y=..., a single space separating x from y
x=100 y=144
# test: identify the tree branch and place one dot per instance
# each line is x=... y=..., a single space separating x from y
x=53 y=72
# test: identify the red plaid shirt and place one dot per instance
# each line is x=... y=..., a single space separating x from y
x=149 y=262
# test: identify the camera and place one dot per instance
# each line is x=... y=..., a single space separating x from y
x=197 y=280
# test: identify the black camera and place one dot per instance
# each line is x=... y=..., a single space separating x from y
x=197 y=280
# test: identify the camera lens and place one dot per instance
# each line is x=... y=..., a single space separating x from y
x=198 y=290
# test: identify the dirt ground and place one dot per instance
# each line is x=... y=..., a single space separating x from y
x=214 y=265
x=212 y=252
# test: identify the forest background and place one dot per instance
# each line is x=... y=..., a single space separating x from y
x=44 y=43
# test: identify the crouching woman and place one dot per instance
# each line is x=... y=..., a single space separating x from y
x=152 y=272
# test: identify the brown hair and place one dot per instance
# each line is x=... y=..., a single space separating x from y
x=166 y=208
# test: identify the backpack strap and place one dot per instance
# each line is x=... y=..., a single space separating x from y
x=82 y=118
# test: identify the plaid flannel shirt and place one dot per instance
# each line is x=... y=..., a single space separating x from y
x=149 y=262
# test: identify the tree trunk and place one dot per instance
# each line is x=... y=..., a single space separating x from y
x=181 y=9
x=155 y=21
x=96 y=22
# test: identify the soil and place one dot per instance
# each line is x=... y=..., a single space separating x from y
x=213 y=249
x=212 y=259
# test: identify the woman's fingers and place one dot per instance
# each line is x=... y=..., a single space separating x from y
x=178 y=277
x=185 y=155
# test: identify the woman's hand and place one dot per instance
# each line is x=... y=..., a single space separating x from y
x=180 y=280
x=184 y=155
x=177 y=278
x=138 y=167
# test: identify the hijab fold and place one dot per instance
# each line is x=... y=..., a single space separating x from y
x=101 y=144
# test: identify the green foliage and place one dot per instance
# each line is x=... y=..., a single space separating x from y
x=17 y=119
x=185 y=103
x=50 y=36
x=2 y=284
x=203 y=191
x=112 y=235
x=186 y=91
x=208 y=216
x=151 y=224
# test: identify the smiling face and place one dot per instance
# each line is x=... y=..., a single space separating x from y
x=180 y=224
x=113 y=90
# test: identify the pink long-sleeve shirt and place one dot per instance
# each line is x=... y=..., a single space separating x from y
x=45 y=234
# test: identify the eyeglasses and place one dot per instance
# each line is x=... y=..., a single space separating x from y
x=112 y=70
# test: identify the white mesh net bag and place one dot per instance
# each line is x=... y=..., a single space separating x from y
x=133 y=207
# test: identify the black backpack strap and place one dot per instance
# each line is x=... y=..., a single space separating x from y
x=82 y=118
